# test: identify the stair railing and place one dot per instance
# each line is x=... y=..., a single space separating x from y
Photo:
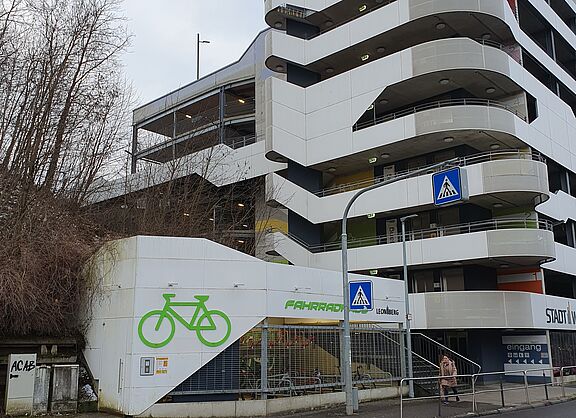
x=432 y=350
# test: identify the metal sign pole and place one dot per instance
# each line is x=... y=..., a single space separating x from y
x=346 y=359
x=407 y=304
x=347 y=353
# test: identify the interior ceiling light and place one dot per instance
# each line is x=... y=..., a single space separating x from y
x=504 y=266
x=380 y=49
x=278 y=25
x=365 y=57
x=449 y=139
x=498 y=205
x=331 y=169
x=490 y=90
x=383 y=101
x=444 y=81
x=186 y=214
x=372 y=160
x=385 y=155
x=440 y=25
x=245 y=226
x=241 y=205
x=240 y=241
x=211 y=219
x=371 y=215
x=371 y=107
x=329 y=70
x=189 y=117
x=241 y=101
x=362 y=8
x=495 y=146
x=279 y=67
x=374 y=272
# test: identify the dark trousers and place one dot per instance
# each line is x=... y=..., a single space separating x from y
x=445 y=391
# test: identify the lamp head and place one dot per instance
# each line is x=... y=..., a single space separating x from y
x=403 y=219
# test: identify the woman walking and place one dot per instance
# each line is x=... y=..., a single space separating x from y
x=448 y=372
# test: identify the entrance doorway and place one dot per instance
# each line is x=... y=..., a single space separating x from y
x=458 y=342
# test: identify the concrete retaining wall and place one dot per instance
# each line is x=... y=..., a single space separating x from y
x=263 y=407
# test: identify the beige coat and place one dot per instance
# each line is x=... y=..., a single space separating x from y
x=448 y=368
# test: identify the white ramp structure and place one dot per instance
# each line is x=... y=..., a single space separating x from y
x=168 y=306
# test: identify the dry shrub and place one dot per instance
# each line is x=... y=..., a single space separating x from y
x=42 y=253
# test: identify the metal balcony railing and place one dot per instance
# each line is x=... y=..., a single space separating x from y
x=240 y=141
x=440 y=231
x=351 y=18
x=462 y=161
x=435 y=105
x=292 y=11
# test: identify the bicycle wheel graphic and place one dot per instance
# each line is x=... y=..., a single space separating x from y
x=156 y=337
x=213 y=328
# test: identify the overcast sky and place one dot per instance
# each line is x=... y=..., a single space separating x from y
x=162 y=56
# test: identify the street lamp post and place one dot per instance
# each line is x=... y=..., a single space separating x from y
x=198 y=42
x=407 y=305
x=346 y=353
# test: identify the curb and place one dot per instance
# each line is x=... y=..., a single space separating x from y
x=522 y=407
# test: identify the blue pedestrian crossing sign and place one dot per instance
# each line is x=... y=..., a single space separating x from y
x=449 y=186
x=361 y=296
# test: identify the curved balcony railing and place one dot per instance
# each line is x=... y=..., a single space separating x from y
x=435 y=105
x=292 y=11
x=302 y=13
x=462 y=161
x=441 y=231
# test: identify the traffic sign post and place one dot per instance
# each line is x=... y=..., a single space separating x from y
x=346 y=354
x=450 y=186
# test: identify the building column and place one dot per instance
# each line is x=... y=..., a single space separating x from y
x=221 y=115
x=134 y=149
x=264 y=361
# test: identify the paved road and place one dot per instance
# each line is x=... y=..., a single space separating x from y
x=429 y=409
x=561 y=410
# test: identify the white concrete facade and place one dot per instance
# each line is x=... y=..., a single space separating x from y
x=137 y=273
x=346 y=98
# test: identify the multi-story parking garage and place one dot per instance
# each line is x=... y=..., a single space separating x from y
x=339 y=95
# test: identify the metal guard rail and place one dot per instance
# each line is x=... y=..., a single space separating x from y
x=462 y=162
x=436 y=105
x=441 y=231
x=525 y=386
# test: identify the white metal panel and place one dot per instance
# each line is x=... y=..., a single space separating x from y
x=565 y=260
x=246 y=291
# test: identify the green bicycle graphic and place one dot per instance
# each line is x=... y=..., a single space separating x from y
x=203 y=322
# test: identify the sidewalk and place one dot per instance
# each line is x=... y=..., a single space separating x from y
x=514 y=396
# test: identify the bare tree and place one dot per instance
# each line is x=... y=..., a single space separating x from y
x=63 y=108
x=63 y=128
x=199 y=192
x=62 y=90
